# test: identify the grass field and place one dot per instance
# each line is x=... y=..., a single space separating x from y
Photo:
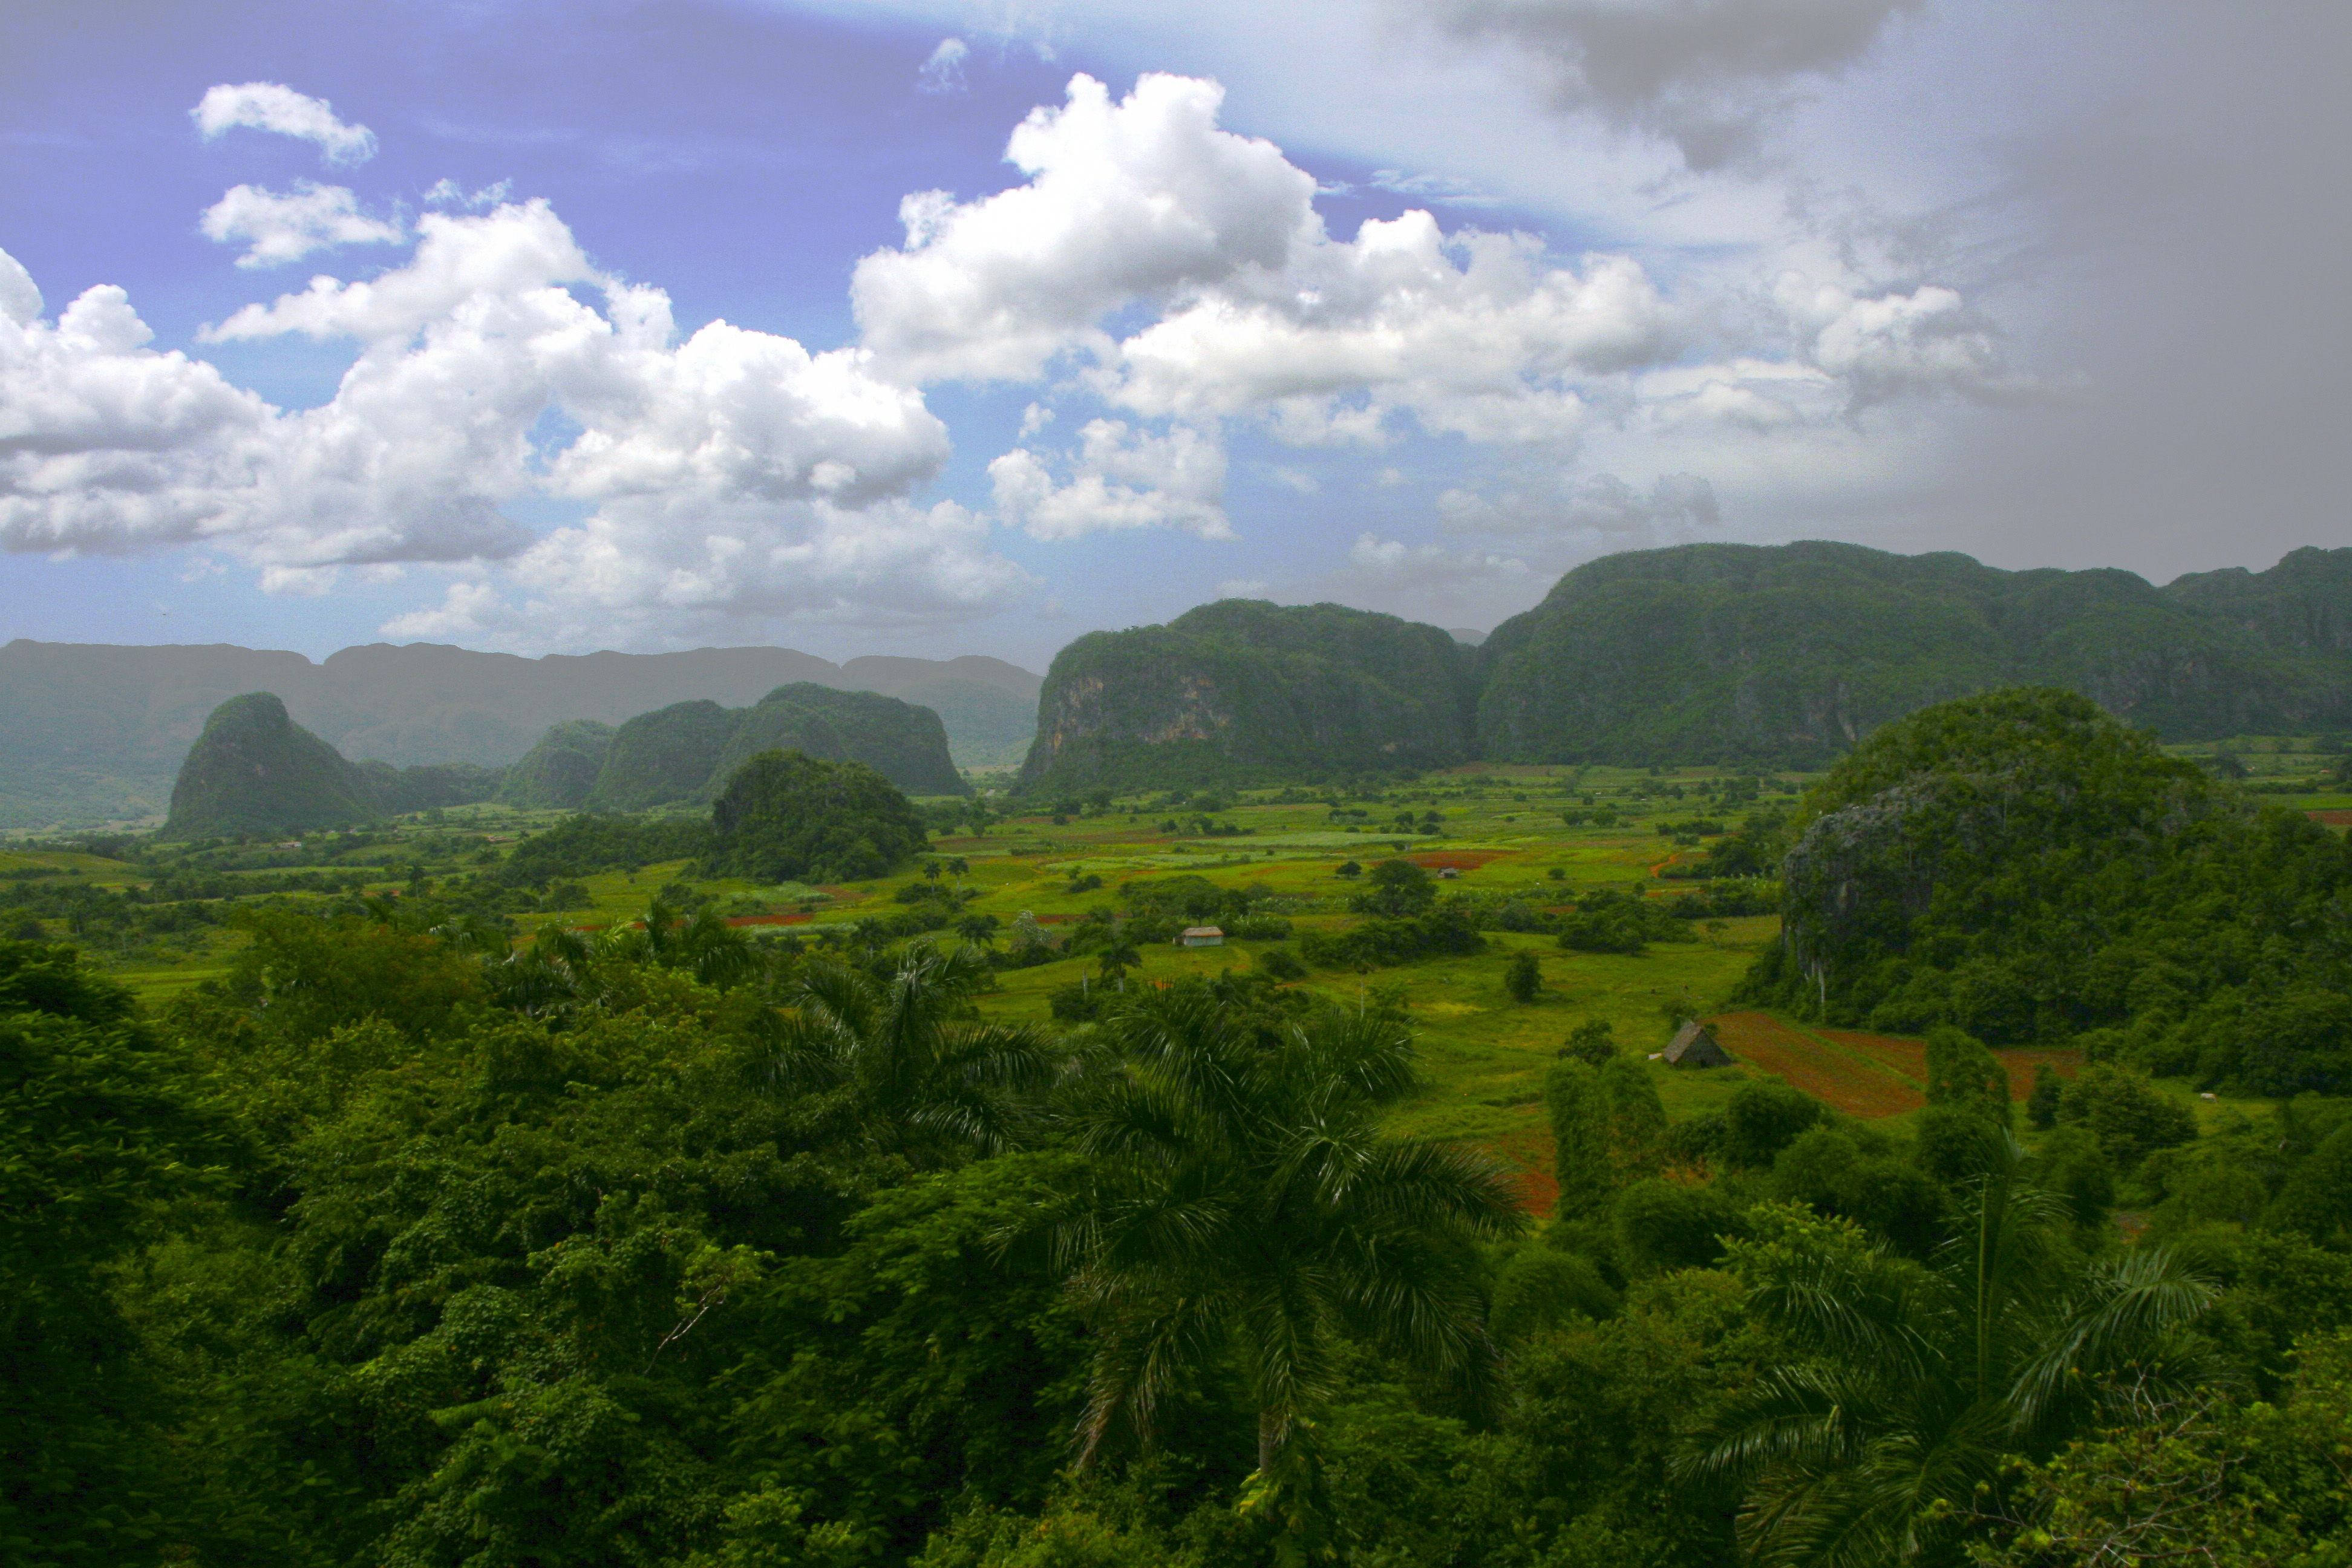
x=1497 y=830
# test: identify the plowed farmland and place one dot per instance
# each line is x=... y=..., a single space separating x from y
x=1860 y=1074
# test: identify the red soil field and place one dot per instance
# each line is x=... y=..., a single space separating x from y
x=1862 y=1074
x=765 y=920
x=1858 y=1086
x=1910 y=1058
x=1527 y=1152
x=2337 y=817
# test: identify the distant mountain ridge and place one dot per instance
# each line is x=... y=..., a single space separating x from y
x=1766 y=656
x=98 y=730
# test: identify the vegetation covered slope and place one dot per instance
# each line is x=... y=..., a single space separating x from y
x=561 y=769
x=1243 y=690
x=905 y=743
x=688 y=752
x=254 y=770
x=2021 y=866
x=1789 y=653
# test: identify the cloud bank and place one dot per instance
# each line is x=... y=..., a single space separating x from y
x=1169 y=283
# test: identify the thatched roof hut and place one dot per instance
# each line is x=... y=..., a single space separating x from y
x=1694 y=1046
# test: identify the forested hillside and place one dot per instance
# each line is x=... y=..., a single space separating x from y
x=2023 y=866
x=255 y=771
x=1786 y=655
x=1243 y=690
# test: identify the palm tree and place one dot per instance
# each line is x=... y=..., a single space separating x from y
x=918 y=1067
x=1244 y=1198
x=1912 y=1382
x=1117 y=959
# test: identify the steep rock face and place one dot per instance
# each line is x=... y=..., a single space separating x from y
x=1789 y=653
x=254 y=770
x=1242 y=688
x=561 y=769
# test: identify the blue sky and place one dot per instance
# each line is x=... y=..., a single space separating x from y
x=1408 y=303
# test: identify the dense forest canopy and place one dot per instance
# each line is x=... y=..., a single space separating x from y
x=410 y=1238
x=660 y=1247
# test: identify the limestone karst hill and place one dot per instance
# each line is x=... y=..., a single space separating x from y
x=254 y=770
x=1243 y=690
x=1763 y=656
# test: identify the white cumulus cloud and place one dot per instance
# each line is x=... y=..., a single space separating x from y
x=278 y=227
x=1890 y=345
x=274 y=107
x=105 y=445
x=732 y=474
x=1125 y=200
x=1123 y=478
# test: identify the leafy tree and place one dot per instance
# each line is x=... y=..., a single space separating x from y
x=1962 y=1073
x=1395 y=889
x=1592 y=1041
x=1523 y=977
x=1764 y=1118
x=1615 y=922
x=1607 y=1128
x=1244 y=1201
x=1660 y=1225
x=920 y=1071
x=1113 y=963
x=1909 y=1382
x=2042 y=1105
x=301 y=977
x=2130 y=1116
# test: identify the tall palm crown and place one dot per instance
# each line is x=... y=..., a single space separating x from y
x=1244 y=1198
x=1910 y=1381
x=914 y=1059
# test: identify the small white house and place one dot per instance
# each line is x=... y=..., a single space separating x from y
x=1202 y=936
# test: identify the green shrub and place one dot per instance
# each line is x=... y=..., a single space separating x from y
x=2128 y=1115
x=1763 y=1119
x=1660 y=1225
